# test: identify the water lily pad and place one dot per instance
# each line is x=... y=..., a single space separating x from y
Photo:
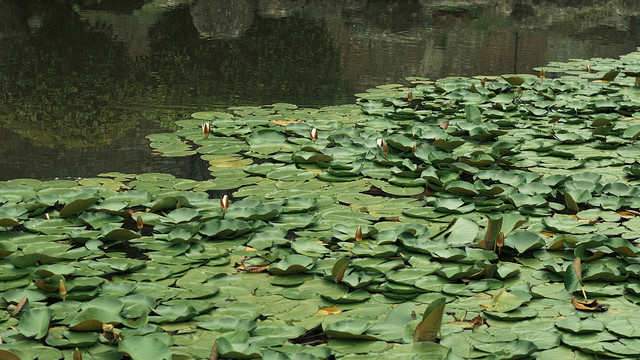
x=292 y=264
x=508 y=350
x=35 y=323
x=144 y=347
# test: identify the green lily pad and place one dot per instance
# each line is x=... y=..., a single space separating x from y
x=292 y=264
x=144 y=347
x=35 y=323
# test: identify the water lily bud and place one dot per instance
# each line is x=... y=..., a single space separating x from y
x=206 y=129
x=77 y=355
x=62 y=288
x=410 y=96
x=542 y=73
x=139 y=223
x=314 y=134
x=588 y=68
x=380 y=142
x=500 y=241
x=47 y=216
x=483 y=82
x=359 y=234
x=224 y=202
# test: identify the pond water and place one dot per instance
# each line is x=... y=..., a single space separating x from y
x=84 y=82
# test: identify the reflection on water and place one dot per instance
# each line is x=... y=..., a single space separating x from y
x=84 y=82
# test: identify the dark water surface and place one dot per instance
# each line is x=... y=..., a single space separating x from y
x=83 y=82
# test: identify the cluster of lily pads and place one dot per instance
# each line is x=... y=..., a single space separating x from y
x=484 y=218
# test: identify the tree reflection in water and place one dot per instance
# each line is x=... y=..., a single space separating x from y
x=84 y=82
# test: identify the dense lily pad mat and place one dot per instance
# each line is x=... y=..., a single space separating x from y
x=500 y=202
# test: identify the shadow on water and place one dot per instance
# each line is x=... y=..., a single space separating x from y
x=83 y=82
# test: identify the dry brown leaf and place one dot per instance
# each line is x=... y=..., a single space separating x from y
x=256 y=269
x=284 y=122
x=109 y=332
x=584 y=220
x=626 y=214
x=585 y=305
x=577 y=266
x=329 y=310
x=214 y=352
x=19 y=306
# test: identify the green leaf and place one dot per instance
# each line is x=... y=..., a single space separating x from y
x=349 y=329
x=226 y=324
x=339 y=268
x=237 y=350
x=611 y=75
x=494 y=226
x=35 y=323
x=92 y=318
x=62 y=338
x=573 y=323
x=632 y=132
x=266 y=141
x=77 y=206
x=121 y=235
x=225 y=228
x=173 y=313
x=357 y=346
x=145 y=347
x=473 y=114
x=508 y=350
x=182 y=215
x=292 y=264
x=428 y=328
x=523 y=241
x=505 y=302
x=513 y=80
x=572 y=280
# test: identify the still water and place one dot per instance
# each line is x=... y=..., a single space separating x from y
x=83 y=82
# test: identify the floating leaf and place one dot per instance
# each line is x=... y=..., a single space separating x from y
x=35 y=323
x=524 y=241
x=237 y=350
x=144 y=347
x=508 y=350
x=505 y=302
x=77 y=206
x=292 y=264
